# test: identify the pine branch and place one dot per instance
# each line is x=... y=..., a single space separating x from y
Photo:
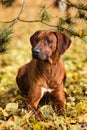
x=80 y=6
x=60 y=28
x=70 y=4
x=13 y=21
x=5 y=33
x=67 y=20
x=45 y=16
x=81 y=15
x=7 y=3
x=5 y=37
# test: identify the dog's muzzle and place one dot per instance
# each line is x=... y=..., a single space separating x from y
x=38 y=54
x=35 y=52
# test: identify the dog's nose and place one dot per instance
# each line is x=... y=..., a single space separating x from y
x=36 y=50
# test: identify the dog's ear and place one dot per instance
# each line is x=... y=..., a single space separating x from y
x=63 y=42
x=32 y=38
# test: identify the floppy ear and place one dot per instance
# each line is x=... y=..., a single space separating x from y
x=63 y=42
x=33 y=37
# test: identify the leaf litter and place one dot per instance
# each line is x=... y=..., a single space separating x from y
x=13 y=112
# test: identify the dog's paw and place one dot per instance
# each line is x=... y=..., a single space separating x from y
x=39 y=116
x=60 y=110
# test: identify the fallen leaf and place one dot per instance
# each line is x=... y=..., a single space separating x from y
x=1 y=108
x=81 y=107
x=74 y=127
x=11 y=106
x=80 y=33
x=1 y=127
x=20 y=128
x=18 y=97
x=82 y=118
x=4 y=113
x=37 y=127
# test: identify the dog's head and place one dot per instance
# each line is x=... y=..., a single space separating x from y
x=45 y=43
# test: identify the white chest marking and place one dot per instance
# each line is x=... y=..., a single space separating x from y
x=44 y=90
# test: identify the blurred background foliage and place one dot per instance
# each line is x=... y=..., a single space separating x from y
x=7 y=3
x=17 y=24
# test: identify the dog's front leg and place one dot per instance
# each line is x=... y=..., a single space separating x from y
x=58 y=98
x=34 y=97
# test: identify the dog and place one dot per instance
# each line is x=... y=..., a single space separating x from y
x=45 y=73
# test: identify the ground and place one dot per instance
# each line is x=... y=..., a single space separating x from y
x=13 y=112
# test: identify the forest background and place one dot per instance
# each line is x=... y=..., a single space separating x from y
x=17 y=23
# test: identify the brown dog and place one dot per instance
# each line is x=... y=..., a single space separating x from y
x=46 y=72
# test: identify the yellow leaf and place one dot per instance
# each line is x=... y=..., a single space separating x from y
x=82 y=107
x=70 y=120
x=82 y=118
x=80 y=33
x=1 y=108
x=1 y=126
x=20 y=128
x=11 y=106
x=26 y=116
x=36 y=127
x=19 y=97
x=5 y=113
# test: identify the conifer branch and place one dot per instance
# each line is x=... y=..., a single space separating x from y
x=80 y=6
x=5 y=37
x=7 y=3
x=45 y=19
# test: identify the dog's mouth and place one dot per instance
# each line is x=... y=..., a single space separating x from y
x=40 y=56
x=35 y=56
x=44 y=58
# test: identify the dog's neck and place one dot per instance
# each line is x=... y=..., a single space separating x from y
x=48 y=68
x=50 y=62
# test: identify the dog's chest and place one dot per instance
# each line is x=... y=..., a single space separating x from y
x=45 y=90
x=50 y=72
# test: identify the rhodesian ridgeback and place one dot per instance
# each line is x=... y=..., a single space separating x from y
x=45 y=73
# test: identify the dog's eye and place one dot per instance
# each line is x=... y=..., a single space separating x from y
x=36 y=39
x=49 y=41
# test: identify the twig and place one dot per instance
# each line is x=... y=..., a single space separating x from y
x=63 y=29
x=20 y=12
x=7 y=21
x=38 y=21
x=50 y=25
x=13 y=21
x=30 y=21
